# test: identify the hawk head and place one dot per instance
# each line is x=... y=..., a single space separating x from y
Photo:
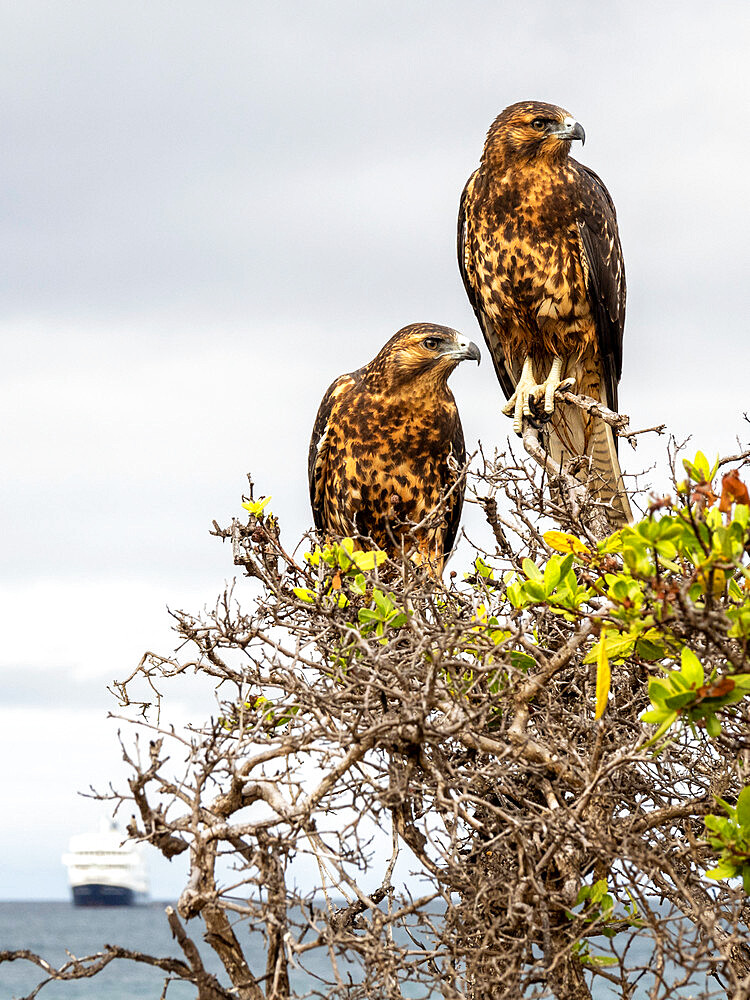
x=532 y=130
x=424 y=352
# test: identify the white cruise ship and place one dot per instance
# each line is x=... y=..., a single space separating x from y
x=102 y=871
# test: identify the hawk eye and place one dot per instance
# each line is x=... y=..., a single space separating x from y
x=431 y=343
x=539 y=124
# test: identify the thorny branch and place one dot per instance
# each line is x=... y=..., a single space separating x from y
x=413 y=789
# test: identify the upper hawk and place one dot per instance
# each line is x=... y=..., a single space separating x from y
x=387 y=448
x=541 y=261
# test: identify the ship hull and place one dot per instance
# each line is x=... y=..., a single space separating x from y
x=103 y=895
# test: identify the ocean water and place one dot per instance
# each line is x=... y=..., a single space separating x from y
x=49 y=928
x=52 y=928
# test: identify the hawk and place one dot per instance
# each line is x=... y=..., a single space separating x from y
x=541 y=261
x=387 y=447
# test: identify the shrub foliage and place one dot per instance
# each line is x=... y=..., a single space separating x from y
x=532 y=779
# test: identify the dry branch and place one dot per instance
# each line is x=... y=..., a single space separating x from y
x=356 y=716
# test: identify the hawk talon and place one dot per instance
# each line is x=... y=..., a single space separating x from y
x=551 y=384
x=529 y=394
x=536 y=418
x=551 y=387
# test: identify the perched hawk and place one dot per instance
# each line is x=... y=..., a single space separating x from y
x=387 y=444
x=541 y=261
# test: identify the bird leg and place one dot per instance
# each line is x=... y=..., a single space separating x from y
x=529 y=391
x=551 y=384
x=518 y=405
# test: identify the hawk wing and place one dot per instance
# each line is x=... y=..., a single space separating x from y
x=317 y=457
x=469 y=279
x=604 y=270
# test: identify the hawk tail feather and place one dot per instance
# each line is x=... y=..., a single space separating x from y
x=606 y=468
x=574 y=433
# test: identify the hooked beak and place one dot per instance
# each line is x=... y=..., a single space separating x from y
x=466 y=350
x=570 y=129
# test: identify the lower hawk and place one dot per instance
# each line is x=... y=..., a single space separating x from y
x=387 y=451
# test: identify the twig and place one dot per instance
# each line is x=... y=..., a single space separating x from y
x=594 y=407
x=629 y=435
x=734 y=458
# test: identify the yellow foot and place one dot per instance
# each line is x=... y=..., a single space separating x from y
x=519 y=406
x=549 y=387
x=528 y=391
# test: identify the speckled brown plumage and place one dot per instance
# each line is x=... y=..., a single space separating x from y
x=387 y=444
x=540 y=256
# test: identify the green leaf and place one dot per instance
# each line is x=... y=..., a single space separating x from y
x=256 y=506
x=654 y=716
x=669 y=719
x=658 y=690
x=535 y=590
x=743 y=808
x=482 y=569
x=304 y=594
x=676 y=701
x=531 y=570
x=713 y=518
x=611 y=544
x=368 y=560
x=692 y=668
x=633 y=907
x=603 y=681
x=726 y=805
x=522 y=661
x=701 y=464
x=699 y=469
x=598 y=889
x=618 y=645
x=713 y=726
x=679 y=682
x=716 y=823
x=601 y=960
x=383 y=603
x=648 y=649
x=344 y=558
x=552 y=574
x=725 y=869
x=566 y=565
x=561 y=541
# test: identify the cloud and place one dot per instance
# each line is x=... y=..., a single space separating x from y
x=209 y=212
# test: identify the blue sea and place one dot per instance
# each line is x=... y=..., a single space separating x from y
x=51 y=928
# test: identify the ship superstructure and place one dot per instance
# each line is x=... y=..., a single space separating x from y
x=103 y=871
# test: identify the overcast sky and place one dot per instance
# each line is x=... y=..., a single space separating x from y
x=210 y=210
